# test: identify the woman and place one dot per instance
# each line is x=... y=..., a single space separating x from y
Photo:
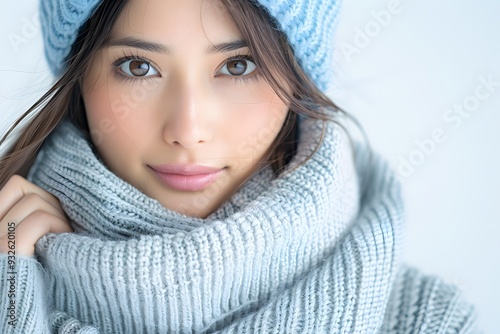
x=194 y=178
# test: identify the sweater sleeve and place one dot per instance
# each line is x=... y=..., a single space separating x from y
x=426 y=304
x=24 y=306
x=22 y=300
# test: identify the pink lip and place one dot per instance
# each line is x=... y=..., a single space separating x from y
x=187 y=177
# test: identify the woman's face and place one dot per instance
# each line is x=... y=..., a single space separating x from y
x=175 y=84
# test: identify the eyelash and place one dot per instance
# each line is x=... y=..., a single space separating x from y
x=126 y=57
x=255 y=75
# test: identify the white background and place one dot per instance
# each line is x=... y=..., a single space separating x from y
x=400 y=74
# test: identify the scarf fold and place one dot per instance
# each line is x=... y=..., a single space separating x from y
x=315 y=250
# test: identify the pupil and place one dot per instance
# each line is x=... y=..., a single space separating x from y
x=139 y=68
x=237 y=67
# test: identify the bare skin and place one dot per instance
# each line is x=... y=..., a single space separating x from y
x=176 y=102
x=28 y=212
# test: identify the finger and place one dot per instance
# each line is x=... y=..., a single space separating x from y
x=25 y=207
x=16 y=188
x=35 y=226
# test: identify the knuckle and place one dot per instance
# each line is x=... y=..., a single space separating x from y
x=15 y=180
x=32 y=198
x=38 y=215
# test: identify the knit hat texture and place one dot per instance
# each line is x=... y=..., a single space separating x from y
x=308 y=25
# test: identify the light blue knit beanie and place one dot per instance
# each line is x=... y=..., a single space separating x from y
x=308 y=25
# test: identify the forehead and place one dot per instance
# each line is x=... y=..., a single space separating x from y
x=174 y=20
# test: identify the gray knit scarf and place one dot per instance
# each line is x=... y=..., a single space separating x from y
x=315 y=250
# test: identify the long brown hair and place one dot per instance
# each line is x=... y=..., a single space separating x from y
x=269 y=47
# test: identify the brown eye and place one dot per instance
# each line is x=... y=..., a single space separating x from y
x=238 y=67
x=137 y=68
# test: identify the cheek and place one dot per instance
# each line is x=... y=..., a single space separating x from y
x=260 y=124
x=97 y=101
x=117 y=113
x=114 y=146
x=113 y=107
x=108 y=128
x=99 y=114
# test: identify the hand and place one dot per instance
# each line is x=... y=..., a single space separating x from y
x=27 y=212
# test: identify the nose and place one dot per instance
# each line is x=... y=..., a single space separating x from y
x=187 y=121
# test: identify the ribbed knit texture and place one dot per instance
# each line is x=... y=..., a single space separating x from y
x=313 y=251
x=308 y=25
x=60 y=21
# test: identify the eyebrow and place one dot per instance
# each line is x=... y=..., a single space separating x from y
x=161 y=48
